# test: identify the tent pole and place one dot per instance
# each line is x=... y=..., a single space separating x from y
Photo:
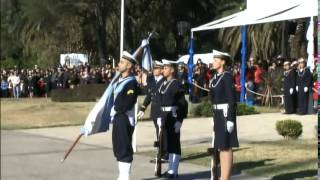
x=244 y=52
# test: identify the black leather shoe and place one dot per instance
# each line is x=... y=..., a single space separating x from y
x=162 y=160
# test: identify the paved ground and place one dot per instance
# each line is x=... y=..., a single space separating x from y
x=35 y=154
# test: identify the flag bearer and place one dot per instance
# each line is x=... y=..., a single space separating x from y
x=122 y=113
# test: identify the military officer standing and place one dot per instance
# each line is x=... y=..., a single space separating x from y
x=153 y=84
x=289 y=84
x=122 y=113
x=223 y=97
x=303 y=86
x=174 y=109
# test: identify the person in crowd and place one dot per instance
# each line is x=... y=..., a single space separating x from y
x=4 y=87
x=303 y=86
x=182 y=76
x=15 y=80
x=236 y=75
x=289 y=91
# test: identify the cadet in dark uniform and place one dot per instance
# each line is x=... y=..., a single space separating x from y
x=174 y=109
x=304 y=85
x=153 y=84
x=289 y=84
x=125 y=96
x=223 y=97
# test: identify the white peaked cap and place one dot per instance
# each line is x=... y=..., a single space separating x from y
x=301 y=60
x=168 y=62
x=129 y=57
x=286 y=63
x=222 y=55
x=294 y=63
x=157 y=63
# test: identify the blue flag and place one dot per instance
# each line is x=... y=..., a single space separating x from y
x=190 y=64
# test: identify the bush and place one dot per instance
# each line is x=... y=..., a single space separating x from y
x=289 y=129
x=83 y=93
x=243 y=109
x=204 y=109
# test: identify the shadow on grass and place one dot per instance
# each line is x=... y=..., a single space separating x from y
x=195 y=156
x=294 y=175
x=196 y=175
x=198 y=155
x=242 y=166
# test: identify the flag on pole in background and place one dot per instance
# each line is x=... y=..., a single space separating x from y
x=190 y=64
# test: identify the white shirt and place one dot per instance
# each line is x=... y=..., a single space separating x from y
x=15 y=80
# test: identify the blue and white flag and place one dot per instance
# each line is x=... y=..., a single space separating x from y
x=146 y=62
x=147 y=59
x=99 y=117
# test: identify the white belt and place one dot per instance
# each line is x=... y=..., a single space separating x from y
x=169 y=108
x=220 y=106
x=223 y=107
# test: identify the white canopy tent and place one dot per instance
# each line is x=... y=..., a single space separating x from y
x=263 y=11
x=205 y=58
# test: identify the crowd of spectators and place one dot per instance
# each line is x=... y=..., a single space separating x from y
x=37 y=82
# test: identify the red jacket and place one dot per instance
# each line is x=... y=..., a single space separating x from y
x=237 y=82
x=316 y=87
x=258 y=75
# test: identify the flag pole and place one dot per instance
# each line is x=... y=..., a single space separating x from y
x=71 y=148
x=122 y=27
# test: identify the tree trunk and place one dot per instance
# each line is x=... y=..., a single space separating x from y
x=101 y=33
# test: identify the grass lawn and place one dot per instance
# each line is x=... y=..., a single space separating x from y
x=285 y=159
x=266 y=109
x=41 y=112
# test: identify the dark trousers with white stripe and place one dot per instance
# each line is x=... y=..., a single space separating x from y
x=173 y=138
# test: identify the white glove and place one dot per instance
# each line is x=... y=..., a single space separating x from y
x=230 y=126
x=291 y=90
x=144 y=43
x=297 y=89
x=112 y=113
x=159 y=122
x=305 y=89
x=140 y=114
x=84 y=130
x=177 y=126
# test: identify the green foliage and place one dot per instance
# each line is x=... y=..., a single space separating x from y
x=204 y=109
x=44 y=29
x=83 y=93
x=289 y=128
x=243 y=109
